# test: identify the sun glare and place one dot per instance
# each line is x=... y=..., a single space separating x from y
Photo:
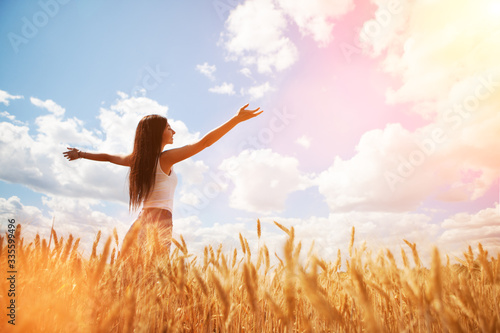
x=494 y=8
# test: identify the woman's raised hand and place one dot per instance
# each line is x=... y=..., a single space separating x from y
x=72 y=154
x=244 y=114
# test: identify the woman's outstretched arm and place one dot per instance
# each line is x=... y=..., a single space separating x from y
x=74 y=154
x=175 y=155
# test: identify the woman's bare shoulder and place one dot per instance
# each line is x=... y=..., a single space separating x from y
x=165 y=163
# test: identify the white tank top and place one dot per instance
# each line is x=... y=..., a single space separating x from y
x=162 y=195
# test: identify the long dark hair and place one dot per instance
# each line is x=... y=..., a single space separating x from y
x=144 y=159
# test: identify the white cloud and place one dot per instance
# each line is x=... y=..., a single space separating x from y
x=37 y=151
x=304 y=141
x=11 y=117
x=247 y=72
x=5 y=97
x=465 y=229
x=329 y=234
x=258 y=91
x=434 y=45
x=68 y=216
x=207 y=70
x=316 y=17
x=396 y=170
x=382 y=30
x=445 y=54
x=7 y=115
x=262 y=180
x=122 y=95
x=12 y=208
x=192 y=171
x=380 y=177
x=120 y=121
x=50 y=105
x=378 y=230
x=81 y=217
x=256 y=31
x=255 y=35
x=197 y=236
x=224 y=89
x=189 y=198
x=41 y=166
x=75 y=190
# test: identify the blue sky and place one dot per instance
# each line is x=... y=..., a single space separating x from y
x=95 y=48
x=350 y=93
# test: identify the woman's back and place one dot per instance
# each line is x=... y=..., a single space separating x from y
x=162 y=194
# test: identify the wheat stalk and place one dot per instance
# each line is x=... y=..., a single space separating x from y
x=156 y=291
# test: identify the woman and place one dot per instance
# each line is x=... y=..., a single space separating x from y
x=152 y=179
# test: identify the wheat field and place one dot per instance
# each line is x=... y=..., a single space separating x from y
x=150 y=290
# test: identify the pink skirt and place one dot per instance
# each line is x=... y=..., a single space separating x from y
x=155 y=220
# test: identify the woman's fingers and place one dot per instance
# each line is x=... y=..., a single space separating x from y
x=70 y=153
x=244 y=108
x=251 y=111
x=247 y=114
x=253 y=114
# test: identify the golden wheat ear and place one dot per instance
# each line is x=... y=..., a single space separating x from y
x=67 y=291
